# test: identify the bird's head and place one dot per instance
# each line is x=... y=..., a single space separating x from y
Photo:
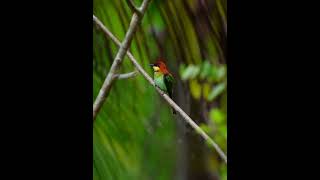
x=159 y=66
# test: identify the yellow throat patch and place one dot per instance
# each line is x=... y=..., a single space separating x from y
x=156 y=68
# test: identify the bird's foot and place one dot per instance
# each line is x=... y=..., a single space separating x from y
x=157 y=86
x=161 y=92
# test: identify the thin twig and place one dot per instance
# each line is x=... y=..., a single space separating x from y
x=167 y=98
x=126 y=75
x=133 y=7
x=106 y=87
x=105 y=30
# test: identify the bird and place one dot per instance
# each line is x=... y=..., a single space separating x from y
x=163 y=78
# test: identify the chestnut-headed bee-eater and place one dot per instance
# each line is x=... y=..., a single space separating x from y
x=163 y=78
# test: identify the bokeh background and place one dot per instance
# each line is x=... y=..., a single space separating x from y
x=135 y=134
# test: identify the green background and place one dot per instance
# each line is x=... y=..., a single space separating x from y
x=135 y=135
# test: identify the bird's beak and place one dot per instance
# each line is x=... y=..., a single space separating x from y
x=151 y=65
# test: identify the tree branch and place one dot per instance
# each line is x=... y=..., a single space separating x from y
x=105 y=30
x=126 y=75
x=167 y=98
x=106 y=87
x=133 y=7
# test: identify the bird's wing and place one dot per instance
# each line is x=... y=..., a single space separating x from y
x=168 y=81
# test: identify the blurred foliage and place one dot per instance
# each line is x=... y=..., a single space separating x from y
x=212 y=77
x=135 y=134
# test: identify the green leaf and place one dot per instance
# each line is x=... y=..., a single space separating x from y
x=205 y=69
x=216 y=91
x=206 y=90
x=182 y=68
x=212 y=74
x=221 y=72
x=190 y=72
x=195 y=89
x=217 y=116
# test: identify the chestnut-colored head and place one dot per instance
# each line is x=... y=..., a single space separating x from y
x=159 y=66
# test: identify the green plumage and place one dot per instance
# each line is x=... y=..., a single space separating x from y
x=165 y=83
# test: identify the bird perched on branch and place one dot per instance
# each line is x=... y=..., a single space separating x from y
x=163 y=78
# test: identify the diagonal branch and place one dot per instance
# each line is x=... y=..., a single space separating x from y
x=105 y=30
x=133 y=7
x=126 y=75
x=107 y=84
x=167 y=98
